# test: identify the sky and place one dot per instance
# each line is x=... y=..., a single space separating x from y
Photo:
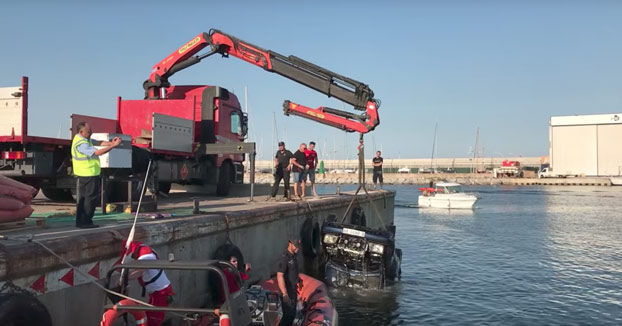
x=503 y=67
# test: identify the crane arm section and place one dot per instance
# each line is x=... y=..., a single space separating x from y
x=348 y=90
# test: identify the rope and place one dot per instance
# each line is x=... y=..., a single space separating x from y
x=226 y=216
x=361 y=148
x=89 y=277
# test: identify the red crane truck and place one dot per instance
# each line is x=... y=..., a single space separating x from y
x=192 y=134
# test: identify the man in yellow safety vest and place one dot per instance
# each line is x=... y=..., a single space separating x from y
x=85 y=160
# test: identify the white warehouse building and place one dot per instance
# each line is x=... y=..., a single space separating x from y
x=588 y=145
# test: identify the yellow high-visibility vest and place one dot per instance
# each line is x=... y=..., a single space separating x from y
x=83 y=166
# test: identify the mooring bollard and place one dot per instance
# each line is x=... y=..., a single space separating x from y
x=195 y=208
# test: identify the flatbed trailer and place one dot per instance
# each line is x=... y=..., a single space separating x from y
x=34 y=160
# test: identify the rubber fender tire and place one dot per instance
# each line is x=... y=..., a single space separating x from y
x=399 y=269
x=395 y=270
x=392 y=228
x=224 y=252
x=19 y=309
x=224 y=180
x=310 y=238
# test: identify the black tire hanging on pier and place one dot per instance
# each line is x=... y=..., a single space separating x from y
x=20 y=309
x=310 y=238
x=226 y=251
x=223 y=253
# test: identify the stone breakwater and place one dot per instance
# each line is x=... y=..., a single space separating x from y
x=466 y=179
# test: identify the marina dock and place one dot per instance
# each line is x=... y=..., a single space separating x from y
x=259 y=228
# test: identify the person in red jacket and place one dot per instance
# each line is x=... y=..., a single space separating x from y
x=153 y=281
x=231 y=279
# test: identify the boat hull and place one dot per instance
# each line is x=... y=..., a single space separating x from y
x=616 y=181
x=451 y=201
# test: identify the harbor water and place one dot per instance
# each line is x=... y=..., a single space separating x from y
x=524 y=256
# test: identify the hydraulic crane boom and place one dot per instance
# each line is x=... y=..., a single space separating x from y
x=348 y=90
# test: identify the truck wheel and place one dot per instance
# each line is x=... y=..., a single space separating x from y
x=164 y=187
x=224 y=180
x=56 y=194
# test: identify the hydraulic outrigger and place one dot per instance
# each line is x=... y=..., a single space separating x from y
x=348 y=90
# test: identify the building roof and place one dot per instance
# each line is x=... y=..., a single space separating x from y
x=587 y=119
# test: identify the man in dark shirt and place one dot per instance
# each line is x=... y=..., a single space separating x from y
x=377 y=163
x=287 y=280
x=299 y=166
x=282 y=166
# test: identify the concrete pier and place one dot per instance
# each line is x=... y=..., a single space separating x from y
x=463 y=178
x=260 y=229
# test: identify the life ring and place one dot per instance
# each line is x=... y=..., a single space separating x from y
x=21 y=309
x=310 y=238
x=223 y=320
x=112 y=314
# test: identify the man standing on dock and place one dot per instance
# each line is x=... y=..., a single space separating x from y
x=311 y=155
x=85 y=161
x=282 y=167
x=287 y=280
x=299 y=166
x=377 y=163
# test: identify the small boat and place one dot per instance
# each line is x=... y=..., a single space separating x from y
x=446 y=195
x=260 y=305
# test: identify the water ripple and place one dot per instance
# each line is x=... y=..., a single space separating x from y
x=526 y=256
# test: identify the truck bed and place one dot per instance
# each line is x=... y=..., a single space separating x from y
x=35 y=139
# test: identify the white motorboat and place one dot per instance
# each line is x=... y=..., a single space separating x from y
x=446 y=195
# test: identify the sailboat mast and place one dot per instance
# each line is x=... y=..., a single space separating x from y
x=475 y=151
x=272 y=146
x=433 y=146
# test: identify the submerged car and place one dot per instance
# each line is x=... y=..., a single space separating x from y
x=359 y=256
